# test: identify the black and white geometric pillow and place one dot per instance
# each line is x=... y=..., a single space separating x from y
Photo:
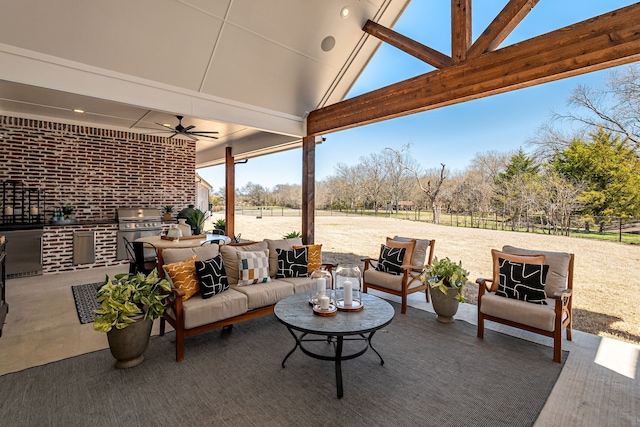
x=390 y=259
x=212 y=277
x=524 y=282
x=292 y=263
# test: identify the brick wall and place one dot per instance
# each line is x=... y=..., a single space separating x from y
x=95 y=171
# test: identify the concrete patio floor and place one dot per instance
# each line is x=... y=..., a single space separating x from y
x=599 y=385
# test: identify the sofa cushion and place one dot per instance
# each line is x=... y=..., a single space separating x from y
x=391 y=259
x=264 y=294
x=183 y=276
x=272 y=245
x=314 y=257
x=197 y=311
x=212 y=277
x=524 y=282
x=558 y=267
x=172 y=255
x=300 y=284
x=253 y=267
x=292 y=263
x=495 y=254
x=230 y=258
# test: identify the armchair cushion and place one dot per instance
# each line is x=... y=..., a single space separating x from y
x=529 y=259
x=558 y=267
x=388 y=281
x=521 y=281
x=212 y=277
x=409 y=245
x=391 y=259
x=292 y=263
x=420 y=250
x=534 y=315
x=253 y=267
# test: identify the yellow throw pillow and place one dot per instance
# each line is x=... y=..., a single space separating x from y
x=314 y=256
x=183 y=275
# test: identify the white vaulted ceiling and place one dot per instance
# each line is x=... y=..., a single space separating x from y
x=249 y=69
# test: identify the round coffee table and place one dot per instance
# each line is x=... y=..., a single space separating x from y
x=297 y=315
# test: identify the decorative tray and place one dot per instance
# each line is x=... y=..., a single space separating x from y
x=198 y=236
x=356 y=305
x=331 y=311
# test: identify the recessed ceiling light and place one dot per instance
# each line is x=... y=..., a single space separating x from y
x=79 y=111
x=344 y=12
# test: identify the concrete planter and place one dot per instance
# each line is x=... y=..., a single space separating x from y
x=445 y=305
x=128 y=345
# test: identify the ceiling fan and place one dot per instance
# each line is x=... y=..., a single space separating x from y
x=187 y=131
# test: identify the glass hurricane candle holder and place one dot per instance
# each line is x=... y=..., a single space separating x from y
x=321 y=285
x=348 y=292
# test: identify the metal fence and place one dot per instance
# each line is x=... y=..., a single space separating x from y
x=626 y=230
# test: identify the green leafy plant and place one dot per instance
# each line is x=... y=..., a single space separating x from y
x=129 y=296
x=445 y=274
x=197 y=219
x=168 y=208
x=67 y=210
x=221 y=222
x=292 y=235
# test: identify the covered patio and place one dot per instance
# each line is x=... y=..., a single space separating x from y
x=264 y=85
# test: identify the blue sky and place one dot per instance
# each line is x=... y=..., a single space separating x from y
x=450 y=135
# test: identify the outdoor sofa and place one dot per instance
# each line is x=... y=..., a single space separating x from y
x=199 y=313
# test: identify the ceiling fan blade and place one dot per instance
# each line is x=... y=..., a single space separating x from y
x=188 y=128
x=206 y=136
x=197 y=132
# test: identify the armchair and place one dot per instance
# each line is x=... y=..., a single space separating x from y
x=524 y=306
x=408 y=279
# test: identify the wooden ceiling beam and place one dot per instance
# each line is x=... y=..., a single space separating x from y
x=512 y=14
x=410 y=46
x=460 y=29
x=605 y=41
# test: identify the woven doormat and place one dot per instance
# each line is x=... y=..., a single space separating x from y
x=85 y=298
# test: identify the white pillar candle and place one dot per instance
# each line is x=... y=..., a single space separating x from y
x=348 y=293
x=324 y=302
x=8 y=210
x=321 y=284
x=33 y=210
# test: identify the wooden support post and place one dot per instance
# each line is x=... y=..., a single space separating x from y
x=460 y=29
x=308 y=188
x=229 y=193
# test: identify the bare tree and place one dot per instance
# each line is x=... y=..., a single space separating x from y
x=397 y=174
x=373 y=178
x=615 y=107
x=434 y=179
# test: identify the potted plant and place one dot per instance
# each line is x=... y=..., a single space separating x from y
x=128 y=307
x=67 y=211
x=167 y=212
x=197 y=219
x=221 y=224
x=449 y=278
x=292 y=235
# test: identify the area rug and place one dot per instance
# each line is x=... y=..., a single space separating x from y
x=85 y=298
x=434 y=375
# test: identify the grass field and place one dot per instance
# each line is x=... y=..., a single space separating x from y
x=606 y=282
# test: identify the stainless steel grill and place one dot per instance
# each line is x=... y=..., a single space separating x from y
x=139 y=219
x=134 y=223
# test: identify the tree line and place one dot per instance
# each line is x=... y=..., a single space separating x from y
x=593 y=172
